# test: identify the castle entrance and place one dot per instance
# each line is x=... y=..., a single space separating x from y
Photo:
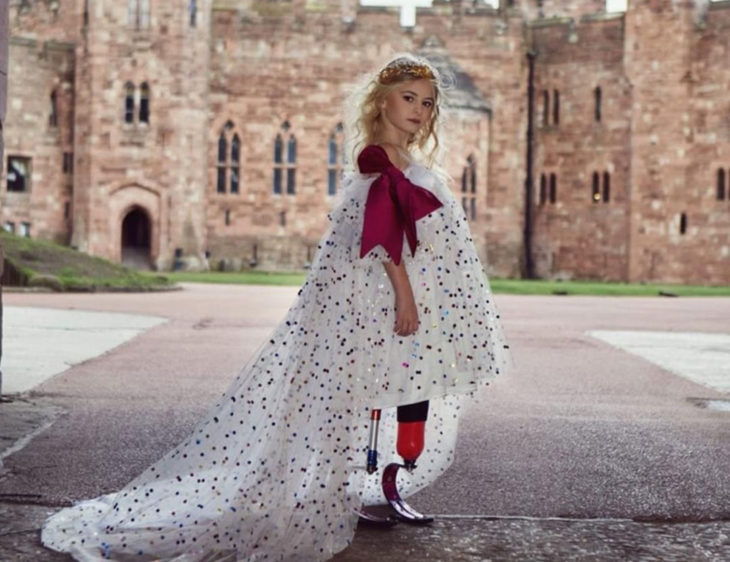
x=136 y=239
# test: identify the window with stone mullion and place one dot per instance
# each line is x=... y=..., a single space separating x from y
x=235 y=163
x=138 y=13
x=291 y=165
x=335 y=158
x=278 y=164
x=469 y=187
x=222 y=163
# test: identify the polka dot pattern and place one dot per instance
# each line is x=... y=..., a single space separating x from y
x=275 y=471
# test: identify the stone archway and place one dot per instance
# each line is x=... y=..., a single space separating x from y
x=137 y=239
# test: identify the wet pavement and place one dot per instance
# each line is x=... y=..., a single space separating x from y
x=589 y=450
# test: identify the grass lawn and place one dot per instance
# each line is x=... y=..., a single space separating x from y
x=504 y=286
x=37 y=263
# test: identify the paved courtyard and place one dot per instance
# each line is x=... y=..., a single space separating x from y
x=608 y=441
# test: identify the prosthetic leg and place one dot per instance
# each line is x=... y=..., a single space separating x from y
x=410 y=443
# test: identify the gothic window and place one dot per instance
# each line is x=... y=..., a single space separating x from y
x=221 y=167
x=334 y=159
x=235 y=163
x=606 y=187
x=228 y=160
x=597 y=103
x=545 y=107
x=469 y=187
x=543 y=189
x=721 y=191
x=18 y=174
x=596 y=188
x=129 y=102
x=9 y=226
x=556 y=107
x=553 y=188
x=144 y=103
x=278 y=163
x=24 y=229
x=53 y=117
x=285 y=166
x=683 y=223
x=291 y=161
x=193 y=9
x=86 y=13
x=138 y=13
x=228 y=217
x=464 y=189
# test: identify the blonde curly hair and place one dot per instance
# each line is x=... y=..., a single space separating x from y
x=368 y=124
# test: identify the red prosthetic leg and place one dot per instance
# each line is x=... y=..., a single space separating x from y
x=410 y=443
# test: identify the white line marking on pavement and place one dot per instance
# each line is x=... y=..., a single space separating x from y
x=702 y=358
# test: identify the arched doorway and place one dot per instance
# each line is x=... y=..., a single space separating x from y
x=136 y=238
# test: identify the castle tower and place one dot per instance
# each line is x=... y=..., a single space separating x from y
x=142 y=83
x=679 y=226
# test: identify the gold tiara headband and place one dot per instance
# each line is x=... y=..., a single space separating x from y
x=408 y=71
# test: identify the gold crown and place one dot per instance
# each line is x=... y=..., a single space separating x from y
x=404 y=70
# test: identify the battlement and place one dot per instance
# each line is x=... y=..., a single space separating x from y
x=44 y=19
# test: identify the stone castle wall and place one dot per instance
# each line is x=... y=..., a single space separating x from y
x=33 y=133
x=252 y=70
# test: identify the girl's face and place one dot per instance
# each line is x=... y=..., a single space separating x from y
x=409 y=107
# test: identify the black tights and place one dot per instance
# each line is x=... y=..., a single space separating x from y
x=413 y=412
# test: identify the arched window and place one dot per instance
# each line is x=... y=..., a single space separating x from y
x=553 y=188
x=464 y=188
x=469 y=187
x=193 y=9
x=285 y=139
x=129 y=102
x=556 y=107
x=53 y=117
x=228 y=160
x=721 y=184
x=683 y=223
x=235 y=162
x=596 y=194
x=144 y=103
x=545 y=107
x=606 y=187
x=472 y=165
x=291 y=163
x=334 y=159
x=597 y=103
x=221 y=168
x=543 y=189
x=278 y=163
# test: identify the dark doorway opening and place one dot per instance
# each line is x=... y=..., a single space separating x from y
x=136 y=239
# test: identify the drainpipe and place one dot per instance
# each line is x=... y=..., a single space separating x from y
x=529 y=267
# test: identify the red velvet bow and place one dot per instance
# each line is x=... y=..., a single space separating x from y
x=393 y=206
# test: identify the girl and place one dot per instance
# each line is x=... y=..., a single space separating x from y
x=275 y=471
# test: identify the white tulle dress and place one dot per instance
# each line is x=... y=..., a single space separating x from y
x=275 y=471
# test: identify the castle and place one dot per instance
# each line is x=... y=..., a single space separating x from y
x=583 y=144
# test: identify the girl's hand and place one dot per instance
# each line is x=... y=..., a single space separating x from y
x=406 y=314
